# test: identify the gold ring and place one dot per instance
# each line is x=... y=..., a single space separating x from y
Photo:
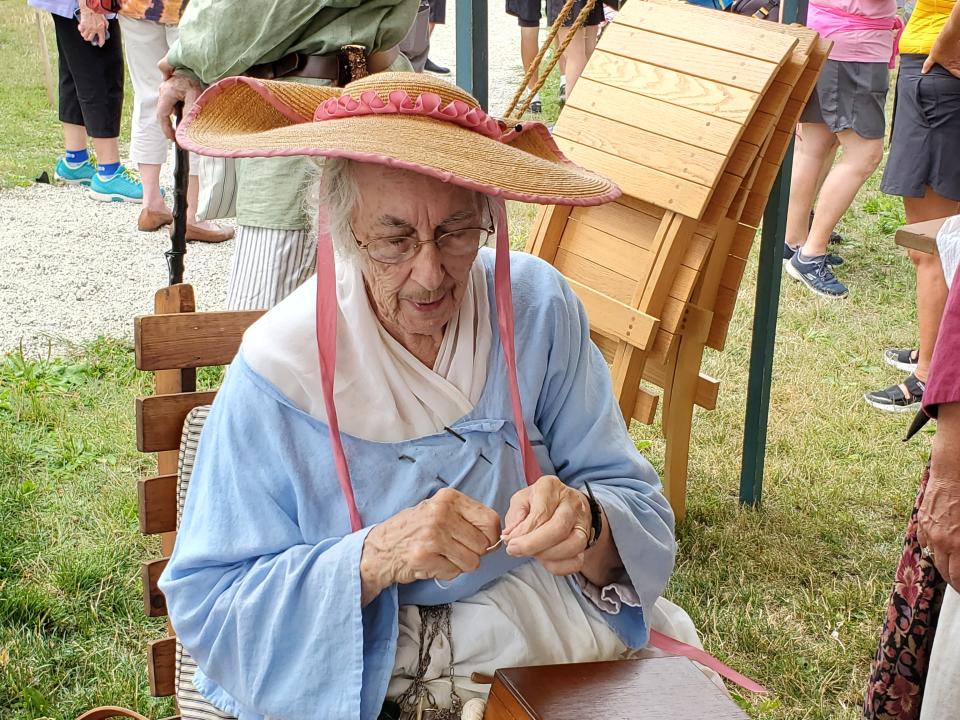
x=582 y=529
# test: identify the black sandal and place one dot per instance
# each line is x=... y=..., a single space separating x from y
x=893 y=399
x=905 y=359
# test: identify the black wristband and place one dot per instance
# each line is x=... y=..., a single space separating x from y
x=596 y=517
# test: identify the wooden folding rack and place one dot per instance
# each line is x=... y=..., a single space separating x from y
x=691 y=112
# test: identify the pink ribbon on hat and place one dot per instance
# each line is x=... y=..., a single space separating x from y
x=326 y=319
x=399 y=102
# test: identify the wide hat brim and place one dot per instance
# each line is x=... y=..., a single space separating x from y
x=242 y=117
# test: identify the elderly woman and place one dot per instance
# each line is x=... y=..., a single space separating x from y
x=388 y=498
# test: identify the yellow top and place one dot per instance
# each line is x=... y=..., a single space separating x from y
x=926 y=22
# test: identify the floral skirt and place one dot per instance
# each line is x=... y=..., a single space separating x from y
x=899 y=669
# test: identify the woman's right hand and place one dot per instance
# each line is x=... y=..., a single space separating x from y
x=440 y=538
x=92 y=27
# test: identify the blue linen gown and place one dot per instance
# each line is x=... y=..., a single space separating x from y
x=263 y=587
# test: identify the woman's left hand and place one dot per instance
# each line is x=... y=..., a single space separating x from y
x=93 y=27
x=549 y=521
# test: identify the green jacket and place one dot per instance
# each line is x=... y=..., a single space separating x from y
x=221 y=38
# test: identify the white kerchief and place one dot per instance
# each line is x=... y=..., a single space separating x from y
x=382 y=392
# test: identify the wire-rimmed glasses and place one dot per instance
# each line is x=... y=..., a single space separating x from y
x=455 y=244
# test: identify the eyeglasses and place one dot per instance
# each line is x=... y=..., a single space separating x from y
x=454 y=245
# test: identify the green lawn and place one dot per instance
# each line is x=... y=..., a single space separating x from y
x=791 y=594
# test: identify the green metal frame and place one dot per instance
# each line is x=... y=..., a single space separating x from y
x=765 y=313
x=472 y=51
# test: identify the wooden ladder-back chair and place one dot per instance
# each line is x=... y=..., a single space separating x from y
x=690 y=111
x=173 y=343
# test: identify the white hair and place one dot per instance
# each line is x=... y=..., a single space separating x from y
x=335 y=188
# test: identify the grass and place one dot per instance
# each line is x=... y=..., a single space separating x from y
x=32 y=138
x=791 y=593
x=72 y=628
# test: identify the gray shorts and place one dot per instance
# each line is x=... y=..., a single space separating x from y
x=850 y=96
x=925 y=142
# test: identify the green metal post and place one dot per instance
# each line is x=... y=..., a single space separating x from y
x=765 y=313
x=472 y=55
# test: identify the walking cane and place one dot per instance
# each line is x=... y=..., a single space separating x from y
x=178 y=234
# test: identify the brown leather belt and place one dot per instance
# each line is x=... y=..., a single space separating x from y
x=351 y=62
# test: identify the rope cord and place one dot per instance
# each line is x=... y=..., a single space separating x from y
x=578 y=23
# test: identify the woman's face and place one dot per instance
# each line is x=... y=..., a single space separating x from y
x=419 y=296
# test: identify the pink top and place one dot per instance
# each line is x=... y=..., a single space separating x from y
x=861 y=30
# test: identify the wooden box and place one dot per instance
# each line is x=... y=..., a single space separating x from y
x=668 y=688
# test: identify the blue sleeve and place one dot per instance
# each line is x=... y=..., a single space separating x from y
x=588 y=441
x=272 y=618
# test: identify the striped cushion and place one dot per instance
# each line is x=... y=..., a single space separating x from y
x=193 y=706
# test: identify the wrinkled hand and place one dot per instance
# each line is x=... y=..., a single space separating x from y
x=93 y=27
x=174 y=89
x=944 y=53
x=440 y=538
x=544 y=522
x=938 y=527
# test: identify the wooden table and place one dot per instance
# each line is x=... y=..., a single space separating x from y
x=667 y=688
x=920 y=236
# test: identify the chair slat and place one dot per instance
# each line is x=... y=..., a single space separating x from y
x=161 y=666
x=673 y=121
x=189 y=340
x=154 y=603
x=605 y=280
x=674 y=193
x=728 y=68
x=608 y=251
x=645 y=409
x=620 y=220
x=157 y=498
x=643 y=147
x=670 y=86
x=754 y=40
x=160 y=418
x=706 y=393
x=615 y=318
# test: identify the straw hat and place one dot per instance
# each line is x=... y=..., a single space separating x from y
x=406 y=120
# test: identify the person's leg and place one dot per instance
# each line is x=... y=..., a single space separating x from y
x=76 y=166
x=438 y=16
x=144 y=44
x=931 y=298
x=74 y=137
x=813 y=144
x=100 y=90
x=828 y=163
x=591 y=34
x=416 y=44
x=267 y=265
x=575 y=55
x=861 y=156
x=529 y=45
x=931 y=286
x=107 y=149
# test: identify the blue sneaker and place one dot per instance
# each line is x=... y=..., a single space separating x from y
x=814 y=273
x=789 y=252
x=80 y=174
x=123 y=186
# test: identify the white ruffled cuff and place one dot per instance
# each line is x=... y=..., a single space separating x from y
x=610 y=598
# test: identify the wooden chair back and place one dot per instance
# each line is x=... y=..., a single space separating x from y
x=173 y=343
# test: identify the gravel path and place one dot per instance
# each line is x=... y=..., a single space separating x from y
x=74 y=268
